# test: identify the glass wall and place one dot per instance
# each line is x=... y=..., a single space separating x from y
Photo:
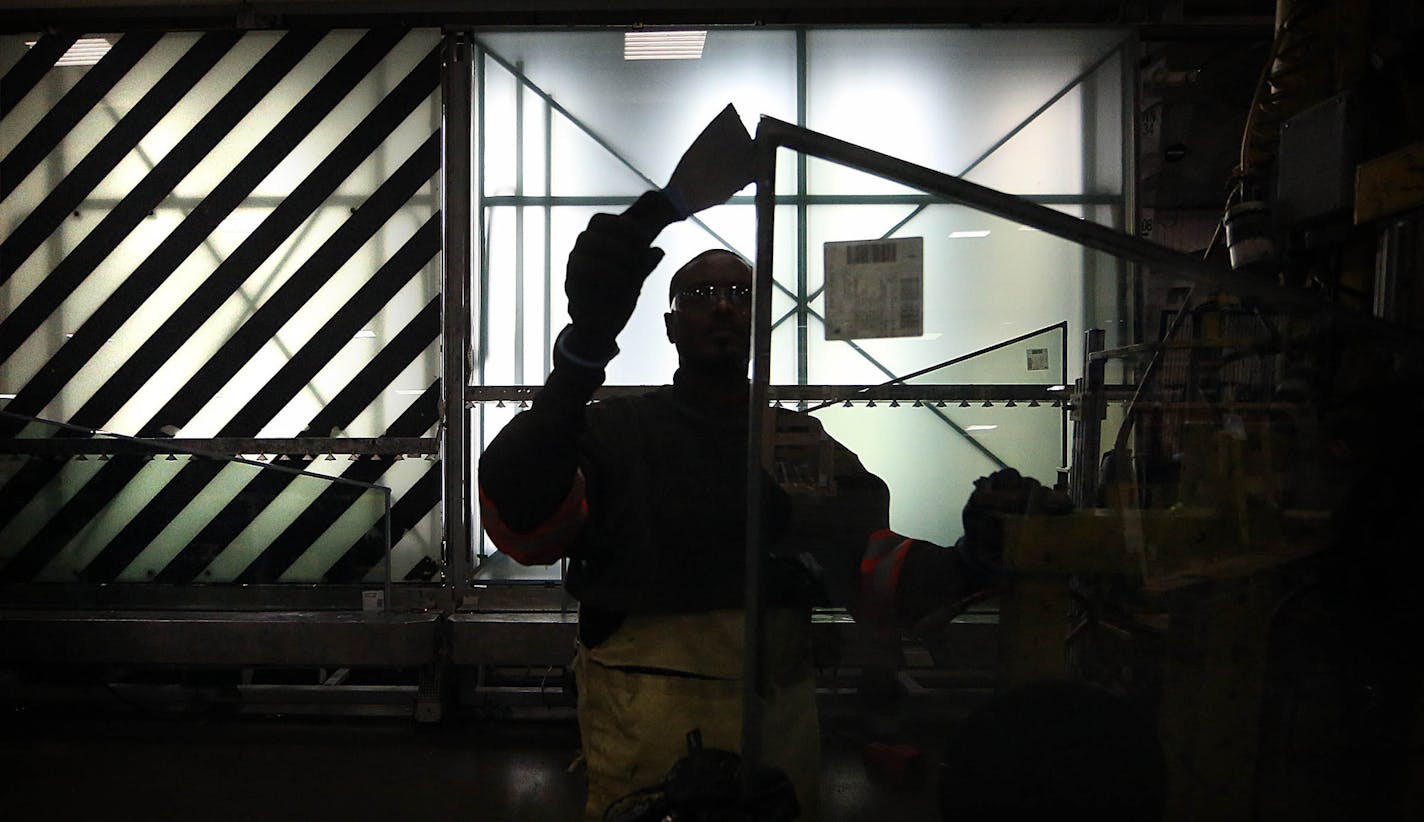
x=229 y=236
x=567 y=127
x=248 y=521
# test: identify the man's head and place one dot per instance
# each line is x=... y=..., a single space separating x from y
x=710 y=320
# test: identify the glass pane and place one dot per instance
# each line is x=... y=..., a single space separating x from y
x=999 y=308
x=644 y=113
x=93 y=507
x=616 y=119
x=239 y=239
x=136 y=265
x=985 y=280
x=1225 y=479
x=942 y=98
x=526 y=307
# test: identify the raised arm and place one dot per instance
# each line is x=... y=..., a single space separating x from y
x=531 y=490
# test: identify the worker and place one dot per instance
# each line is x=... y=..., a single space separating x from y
x=645 y=496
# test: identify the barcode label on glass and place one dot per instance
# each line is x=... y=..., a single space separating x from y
x=875 y=288
x=865 y=253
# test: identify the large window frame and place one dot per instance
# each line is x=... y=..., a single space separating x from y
x=484 y=399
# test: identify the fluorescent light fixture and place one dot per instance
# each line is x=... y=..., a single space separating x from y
x=7 y=396
x=663 y=45
x=1057 y=388
x=366 y=334
x=967 y=235
x=980 y=427
x=86 y=51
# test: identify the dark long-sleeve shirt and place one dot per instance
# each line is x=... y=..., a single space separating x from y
x=646 y=497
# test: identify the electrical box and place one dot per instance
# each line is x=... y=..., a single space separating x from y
x=1319 y=150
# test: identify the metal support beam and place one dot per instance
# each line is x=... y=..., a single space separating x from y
x=460 y=228
x=217 y=447
x=758 y=427
x=517 y=346
x=828 y=394
x=547 y=358
x=481 y=222
x=623 y=200
x=803 y=302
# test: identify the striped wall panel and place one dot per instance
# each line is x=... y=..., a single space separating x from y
x=228 y=236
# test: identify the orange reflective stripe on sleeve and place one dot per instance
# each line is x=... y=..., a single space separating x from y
x=547 y=543
x=880 y=568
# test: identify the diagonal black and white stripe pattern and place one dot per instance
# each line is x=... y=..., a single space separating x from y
x=224 y=235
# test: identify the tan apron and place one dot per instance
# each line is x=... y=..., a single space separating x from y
x=635 y=723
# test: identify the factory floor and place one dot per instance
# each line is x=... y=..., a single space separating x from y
x=66 y=766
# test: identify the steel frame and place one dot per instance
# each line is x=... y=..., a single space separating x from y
x=460 y=230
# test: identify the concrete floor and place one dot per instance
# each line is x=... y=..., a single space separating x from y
x=63 y=766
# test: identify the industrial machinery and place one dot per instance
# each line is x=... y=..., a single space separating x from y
x=1240 y=560
x=1244 y=547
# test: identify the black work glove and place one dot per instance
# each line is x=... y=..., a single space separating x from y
x=606 y=269
x=1003 y=493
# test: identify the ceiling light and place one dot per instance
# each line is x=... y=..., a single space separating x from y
x=86 y=51
x=366 y=334
x=663 y=45
x=967 y=235
x=980 y=427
